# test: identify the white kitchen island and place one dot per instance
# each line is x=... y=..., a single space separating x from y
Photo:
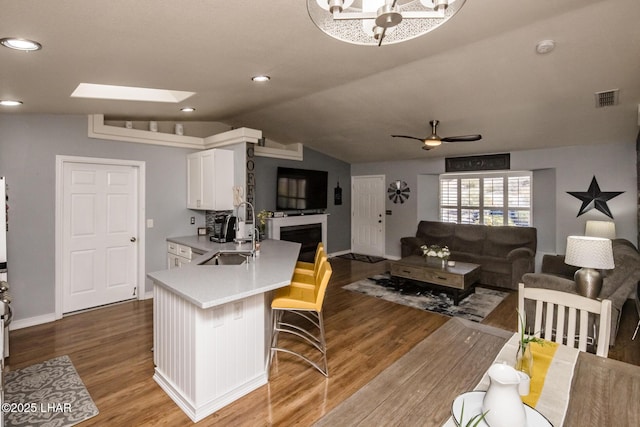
x=211 y=325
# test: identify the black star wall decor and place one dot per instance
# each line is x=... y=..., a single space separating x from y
x=594 y=198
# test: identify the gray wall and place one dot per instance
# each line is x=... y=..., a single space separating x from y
x=556 y=171
x=339 y=223
x=29 y=144
x=28 y=148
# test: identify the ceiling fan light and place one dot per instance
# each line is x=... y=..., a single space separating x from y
x=432 y=142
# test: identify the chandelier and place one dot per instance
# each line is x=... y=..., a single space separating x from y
x=370 y=22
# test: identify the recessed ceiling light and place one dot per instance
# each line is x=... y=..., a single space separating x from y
x=260 y=78
x=20 y=44
x=10 y=103
x=128 y=93
x=187 y=109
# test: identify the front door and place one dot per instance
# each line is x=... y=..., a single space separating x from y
x=367 y=215
x=99 y=234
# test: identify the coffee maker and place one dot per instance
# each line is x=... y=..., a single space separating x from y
x=223 y=228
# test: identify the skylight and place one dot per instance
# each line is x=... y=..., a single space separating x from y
x=129 y=93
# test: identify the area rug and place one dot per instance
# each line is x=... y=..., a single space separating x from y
x=363 y=258
x=474 y=307
x=50 y=393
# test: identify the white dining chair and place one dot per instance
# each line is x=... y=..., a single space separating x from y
x=557 y=311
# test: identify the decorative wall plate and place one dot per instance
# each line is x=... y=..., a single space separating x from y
x=398 y=191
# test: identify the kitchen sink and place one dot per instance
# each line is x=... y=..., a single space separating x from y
x=227 y=258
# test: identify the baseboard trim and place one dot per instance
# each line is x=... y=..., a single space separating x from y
x=51 y=317
x=335 y=254
x=32 y=321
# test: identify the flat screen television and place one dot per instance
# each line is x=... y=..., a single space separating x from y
x=301 y=189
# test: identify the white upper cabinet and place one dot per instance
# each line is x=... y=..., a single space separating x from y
x=210 y=180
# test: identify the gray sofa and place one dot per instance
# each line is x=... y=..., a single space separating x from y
x=618 y=284
x=504 y=253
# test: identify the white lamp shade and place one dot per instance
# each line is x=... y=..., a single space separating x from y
x=589 y=252
x=606 y=229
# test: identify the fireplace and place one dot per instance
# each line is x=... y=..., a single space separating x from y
x=308 y=230
x=308 y=235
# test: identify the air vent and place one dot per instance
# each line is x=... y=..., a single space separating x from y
x=607 y=98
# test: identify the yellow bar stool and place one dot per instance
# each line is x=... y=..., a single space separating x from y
x=305 y=320
x=309 y=280
x=309 y=268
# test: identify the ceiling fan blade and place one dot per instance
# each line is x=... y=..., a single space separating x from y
x=462 y=138
x=407 y=136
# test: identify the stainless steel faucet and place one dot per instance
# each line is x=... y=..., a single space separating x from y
x=253 y=233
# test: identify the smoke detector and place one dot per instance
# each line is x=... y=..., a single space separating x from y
x=545 y=46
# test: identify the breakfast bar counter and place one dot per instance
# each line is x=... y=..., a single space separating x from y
x=211 y=324
x=210 y=285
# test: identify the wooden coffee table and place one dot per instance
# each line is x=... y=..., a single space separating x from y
x=459 y=280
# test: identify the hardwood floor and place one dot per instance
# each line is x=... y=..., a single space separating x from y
x=111 y=350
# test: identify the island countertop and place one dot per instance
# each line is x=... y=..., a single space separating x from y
x=208 y=286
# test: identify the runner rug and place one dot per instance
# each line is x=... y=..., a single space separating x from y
x=363 y=258
x=474 y=307
x=50 y=393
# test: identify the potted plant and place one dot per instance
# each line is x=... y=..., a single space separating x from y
x=262 y=222
x=524 y=357
x=436 y=252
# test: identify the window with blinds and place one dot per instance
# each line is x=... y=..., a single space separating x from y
x=486 y=198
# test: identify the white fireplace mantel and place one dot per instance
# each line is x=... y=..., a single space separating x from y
x=275 y=224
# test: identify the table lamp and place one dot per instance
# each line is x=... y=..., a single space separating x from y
x=590 y=253
x=606 y=229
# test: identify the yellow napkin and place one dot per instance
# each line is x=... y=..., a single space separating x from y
x=542 y=357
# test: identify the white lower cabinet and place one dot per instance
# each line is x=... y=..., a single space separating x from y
x=178 y=255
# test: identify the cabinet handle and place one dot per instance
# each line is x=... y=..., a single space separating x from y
x=175 y=262
x=198 y=203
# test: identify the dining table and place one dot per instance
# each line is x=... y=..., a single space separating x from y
x=420 y=387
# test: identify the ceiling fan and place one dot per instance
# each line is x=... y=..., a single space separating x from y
x=434 y=140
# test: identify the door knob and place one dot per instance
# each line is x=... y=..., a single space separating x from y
x=133 y=239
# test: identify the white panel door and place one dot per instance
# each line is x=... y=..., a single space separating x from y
x=367 y=215
x=99 y=235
